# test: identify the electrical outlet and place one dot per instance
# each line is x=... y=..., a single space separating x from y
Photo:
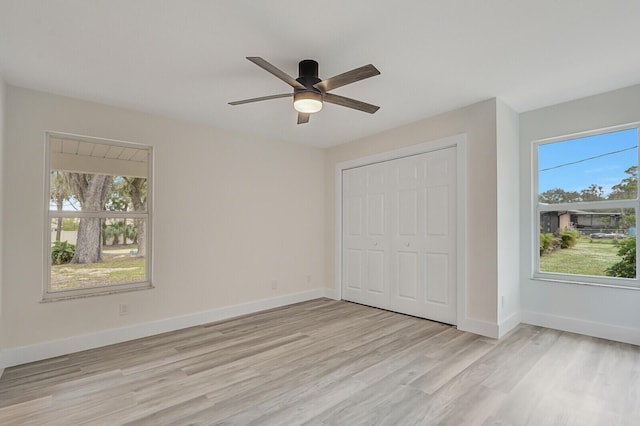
x=124 y=309
x=308 y=279
x=274 y=284
x=503 y=301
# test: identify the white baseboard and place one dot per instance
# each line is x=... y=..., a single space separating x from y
x=589 y=328
x=509 y=324
x=331 y=293
x=483 y=328
x=54 y=348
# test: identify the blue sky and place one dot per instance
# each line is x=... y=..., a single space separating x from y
x=605 y=171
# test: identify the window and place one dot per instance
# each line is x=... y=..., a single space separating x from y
x=587 y=207
x=98 y=216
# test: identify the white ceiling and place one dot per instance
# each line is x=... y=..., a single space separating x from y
x=186 y=58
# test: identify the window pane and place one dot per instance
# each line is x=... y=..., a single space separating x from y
x=596 y=242
x=71 y=191
x=600 y=167
x=97 y=252
x=127 y=194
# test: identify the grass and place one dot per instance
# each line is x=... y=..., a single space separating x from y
x=117 y=267
x=587 y=257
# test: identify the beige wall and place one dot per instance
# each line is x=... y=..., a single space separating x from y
x=232 y=213
x=2 y=167
x=478 y=121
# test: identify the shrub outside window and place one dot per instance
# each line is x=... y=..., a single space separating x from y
x=586 y=207
x=98 y=216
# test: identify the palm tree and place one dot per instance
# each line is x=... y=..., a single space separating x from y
x=116 y=230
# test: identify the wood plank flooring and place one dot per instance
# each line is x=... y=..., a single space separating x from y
x=332 y=363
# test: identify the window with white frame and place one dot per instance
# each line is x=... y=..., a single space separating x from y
x=98 y=216
x=586 y=202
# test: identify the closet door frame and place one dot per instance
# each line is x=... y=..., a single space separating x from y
x=460 y=143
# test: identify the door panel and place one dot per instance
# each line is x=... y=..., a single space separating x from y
x=408 y=212
x=437 y=271
x=439 y=247
x=354 y=241
x=407 y=277
x=353 y=269
x=354 y=216
x=376 y=272
x=370 y=218
x=437 y=217
x=375 y=214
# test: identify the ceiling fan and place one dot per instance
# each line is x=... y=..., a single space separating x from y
x=309 y=92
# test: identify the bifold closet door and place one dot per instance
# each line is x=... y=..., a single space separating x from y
x=423 y=236
x=399 y=235
x=366 y=248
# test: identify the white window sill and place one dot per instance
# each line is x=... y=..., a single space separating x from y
x=577 y=281
x=103 y=291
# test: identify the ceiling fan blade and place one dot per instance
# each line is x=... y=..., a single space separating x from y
x=350 y=103
x=347 y=78
x=303 y=117
x=275 y=71
x=263 y=98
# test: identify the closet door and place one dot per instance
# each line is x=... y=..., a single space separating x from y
x=399 y=235
x=423 y=236
x=365 y=253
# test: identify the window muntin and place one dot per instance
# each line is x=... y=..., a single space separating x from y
x=587 y=184
x=98 y=216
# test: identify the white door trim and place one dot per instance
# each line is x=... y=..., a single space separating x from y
x=460 y=143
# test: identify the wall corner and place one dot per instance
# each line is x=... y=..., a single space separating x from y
x=508 y=215
x=2 y=168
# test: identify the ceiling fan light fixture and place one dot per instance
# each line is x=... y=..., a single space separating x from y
x=307 y=101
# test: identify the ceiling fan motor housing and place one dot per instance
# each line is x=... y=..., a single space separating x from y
x=309 y=99
x=308 y=74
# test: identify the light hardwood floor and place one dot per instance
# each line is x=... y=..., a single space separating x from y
x=332 y=363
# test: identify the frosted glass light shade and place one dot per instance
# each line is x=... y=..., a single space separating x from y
x=307 y=102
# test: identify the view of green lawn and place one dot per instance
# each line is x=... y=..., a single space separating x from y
x=587 y=257
x=119 y=266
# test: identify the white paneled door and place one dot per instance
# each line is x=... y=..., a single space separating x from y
x=399 y=235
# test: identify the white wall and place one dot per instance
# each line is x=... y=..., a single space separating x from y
x=2 y=167
x=232 y=213
x=599 y=311
x=508 y=219
x=478 y=121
